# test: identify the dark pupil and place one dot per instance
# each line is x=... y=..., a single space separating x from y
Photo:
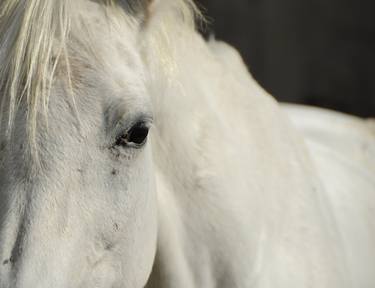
x=137 y=134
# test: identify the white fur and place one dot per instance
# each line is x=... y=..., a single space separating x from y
x=225 y=194
x=343 y=150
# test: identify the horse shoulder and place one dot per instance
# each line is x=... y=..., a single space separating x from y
x=343 y=150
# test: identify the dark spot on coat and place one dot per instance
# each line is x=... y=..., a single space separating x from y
x=116 y=227
x=2 y=145
x=14 y=258
x=109 y=246
x=6 y=262
x=114 y=172
x=116 y=153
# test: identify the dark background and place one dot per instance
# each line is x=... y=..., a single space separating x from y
x=317 y=52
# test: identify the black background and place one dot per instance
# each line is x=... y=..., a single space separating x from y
x=317 y=52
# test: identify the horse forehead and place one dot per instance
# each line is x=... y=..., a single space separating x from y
x=124 y=70
x=116 y=47
x=123 y=58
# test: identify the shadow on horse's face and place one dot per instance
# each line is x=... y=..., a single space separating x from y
x=85 y=216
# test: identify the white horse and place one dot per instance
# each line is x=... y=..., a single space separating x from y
x=224 y=193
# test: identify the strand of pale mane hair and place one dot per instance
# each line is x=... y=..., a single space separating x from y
x=28 y=29
x=33 y=38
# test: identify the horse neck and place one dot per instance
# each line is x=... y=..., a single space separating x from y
x=190 y=104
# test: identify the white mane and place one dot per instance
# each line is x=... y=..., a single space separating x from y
x=28 y=32
x=34 y=39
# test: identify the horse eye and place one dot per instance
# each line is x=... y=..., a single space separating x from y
x=135 y=137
